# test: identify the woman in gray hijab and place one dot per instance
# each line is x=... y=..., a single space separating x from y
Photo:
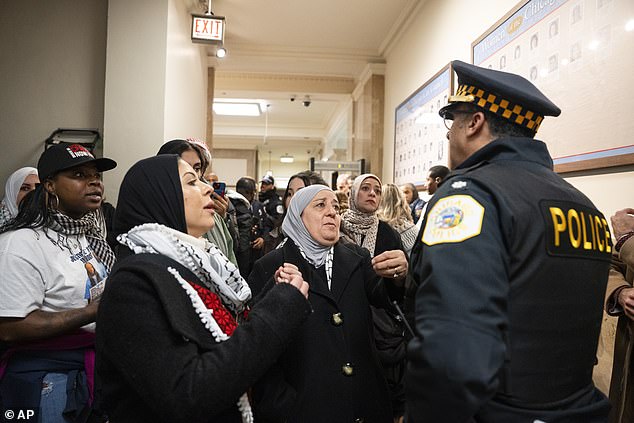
x=330 y=372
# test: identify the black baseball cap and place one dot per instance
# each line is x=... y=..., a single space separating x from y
x=64 y=156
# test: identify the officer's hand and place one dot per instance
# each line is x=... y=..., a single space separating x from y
x=221 y=204
x=626 y=299
x=622 y=222
x=258 y=243
x=390 y=264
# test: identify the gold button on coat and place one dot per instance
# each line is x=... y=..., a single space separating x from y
x=347 y=369
x=337 y=319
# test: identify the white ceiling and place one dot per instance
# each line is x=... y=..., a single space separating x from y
x=280 y=48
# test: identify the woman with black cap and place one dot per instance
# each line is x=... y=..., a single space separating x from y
x=331 y=371
x=174 y=341
x=48 y=299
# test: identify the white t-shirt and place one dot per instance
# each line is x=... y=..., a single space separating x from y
x=48 y=273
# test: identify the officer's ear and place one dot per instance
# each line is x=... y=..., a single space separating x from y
x=475 y=123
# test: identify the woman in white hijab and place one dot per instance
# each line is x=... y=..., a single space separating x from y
x=20 y=183
x=330 y=372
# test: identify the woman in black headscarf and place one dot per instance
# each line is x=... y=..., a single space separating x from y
x=330 y=372
x=174 y=341
x=196 y=153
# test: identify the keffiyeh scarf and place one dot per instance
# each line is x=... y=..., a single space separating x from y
x=327 y=263
x=200 y=256
x=93 y=226
x=361 y=228
x=213 y=269
x=5 y=213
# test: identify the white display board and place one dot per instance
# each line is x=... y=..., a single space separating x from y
x=578 y=53
x=420 y=137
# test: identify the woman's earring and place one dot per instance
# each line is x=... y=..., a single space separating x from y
x=54 y=207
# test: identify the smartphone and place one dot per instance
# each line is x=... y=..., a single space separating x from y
x=219 y=188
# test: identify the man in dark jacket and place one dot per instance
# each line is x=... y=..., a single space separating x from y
x=511 y=267
x=272 y=203
x=249 y=216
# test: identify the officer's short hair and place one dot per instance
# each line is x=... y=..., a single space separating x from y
x=501 y=127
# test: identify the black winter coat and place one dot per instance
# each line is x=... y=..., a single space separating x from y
x=389 y=331
x=158 y=363
x=331 y=371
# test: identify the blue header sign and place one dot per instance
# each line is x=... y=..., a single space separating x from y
x=518 y=23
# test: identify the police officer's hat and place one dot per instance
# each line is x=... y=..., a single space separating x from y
x=267 y=180
x=505 y=94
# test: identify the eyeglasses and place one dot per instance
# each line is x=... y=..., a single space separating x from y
x=449 y=117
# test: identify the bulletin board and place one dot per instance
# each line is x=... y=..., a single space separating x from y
x=420 y=137
x=579 y=54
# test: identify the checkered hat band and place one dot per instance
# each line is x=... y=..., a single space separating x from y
x=495 y=104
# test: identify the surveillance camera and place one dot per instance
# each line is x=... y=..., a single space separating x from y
x=306 y=103
x=293 y=97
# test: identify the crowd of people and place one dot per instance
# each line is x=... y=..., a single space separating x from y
x=192 y=302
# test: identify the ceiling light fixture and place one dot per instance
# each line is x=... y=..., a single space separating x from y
x=221 y=52
x=287 y=159
x=266 y=128
x=236 y=109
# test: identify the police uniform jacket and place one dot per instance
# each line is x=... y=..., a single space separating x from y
x=330 y=372
x=273 y=207
x=511 y=273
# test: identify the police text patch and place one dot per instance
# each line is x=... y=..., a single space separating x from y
x=574 y=230
x=453 y=219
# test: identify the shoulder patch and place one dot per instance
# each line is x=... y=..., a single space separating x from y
x=453 y=219
x=279 y=209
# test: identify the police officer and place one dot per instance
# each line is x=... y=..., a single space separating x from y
x=512 y=264
x=272 y=203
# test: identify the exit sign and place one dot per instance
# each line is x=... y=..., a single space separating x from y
x=208 y=29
